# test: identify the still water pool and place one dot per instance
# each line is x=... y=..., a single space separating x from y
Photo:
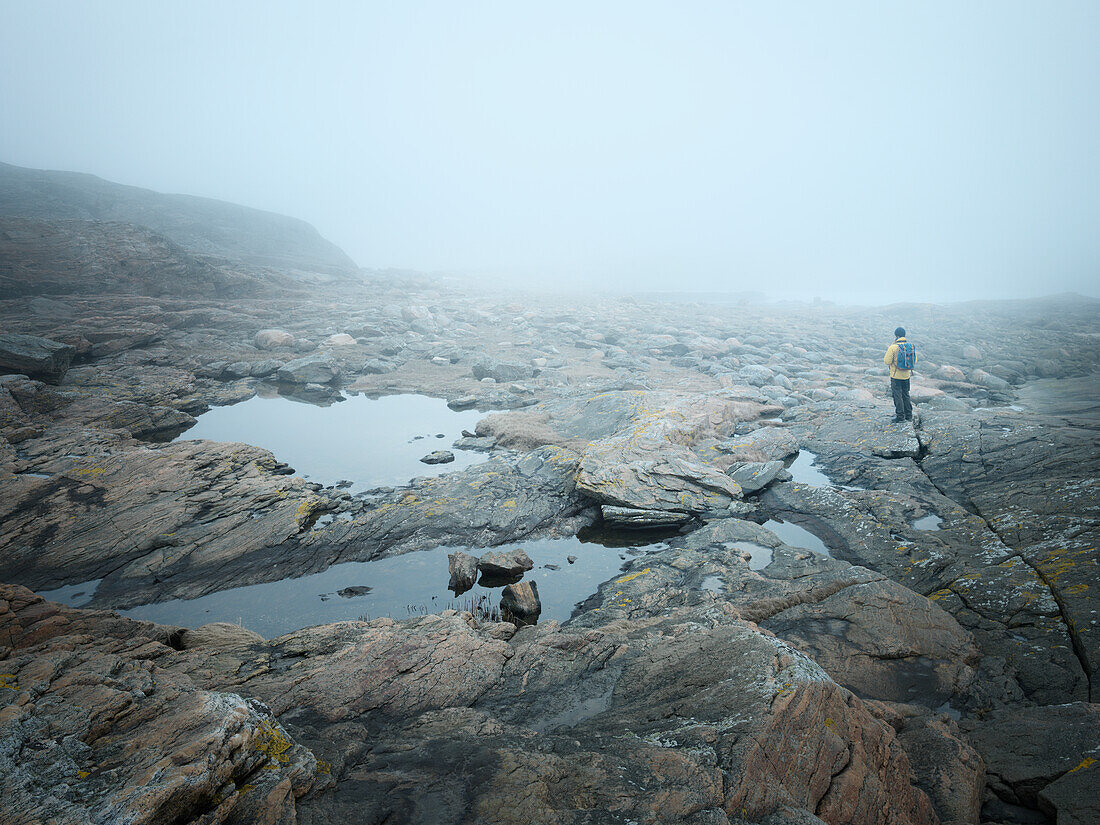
x=794 y=535
x=399 y=587
x=371 y=442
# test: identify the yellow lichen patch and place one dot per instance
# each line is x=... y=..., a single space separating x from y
x=1056 y=566
x=272 y=742
x=83 y=774
x=631 y=577
x=305 y=508
x=323 y=766
x=7 y=680
x=940 y=594
x=1088 y=761
x=89 y=471
x=1075 y=590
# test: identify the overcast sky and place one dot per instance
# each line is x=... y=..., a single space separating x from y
x=879 y=150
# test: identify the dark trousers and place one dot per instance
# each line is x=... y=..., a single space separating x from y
x=903 y=407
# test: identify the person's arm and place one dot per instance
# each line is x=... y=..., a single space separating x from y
x=891 y=355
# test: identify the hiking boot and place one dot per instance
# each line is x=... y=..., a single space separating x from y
x=896 y=420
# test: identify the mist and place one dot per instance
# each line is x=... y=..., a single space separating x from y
x=852 y=151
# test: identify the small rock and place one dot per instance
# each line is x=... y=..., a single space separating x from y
x=570 y=559
x=352 y=592
x=521 y=602
x=439 y=457
x=340 y=339
x=507 y=563
x=463 y=569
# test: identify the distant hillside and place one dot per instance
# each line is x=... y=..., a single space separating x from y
x=102 y=258
x=201 y=226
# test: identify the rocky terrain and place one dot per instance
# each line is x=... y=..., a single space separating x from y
x=935 y=661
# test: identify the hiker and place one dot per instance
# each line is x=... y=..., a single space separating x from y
x=901 y=358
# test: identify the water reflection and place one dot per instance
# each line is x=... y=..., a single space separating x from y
x=371 y=442
x=759 y=556
x=803 y=471
x=74 y=595
x=410 y=584
x=929 y=522
x=793 y=535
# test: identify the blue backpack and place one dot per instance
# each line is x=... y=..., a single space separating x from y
x=907 y=356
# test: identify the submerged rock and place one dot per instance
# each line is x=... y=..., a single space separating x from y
x=354 y=591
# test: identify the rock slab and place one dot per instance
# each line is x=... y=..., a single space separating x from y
x=34 y=356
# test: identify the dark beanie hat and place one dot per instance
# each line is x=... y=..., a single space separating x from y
x=899 y=332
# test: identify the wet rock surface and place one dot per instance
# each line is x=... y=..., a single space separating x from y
x=925 y=669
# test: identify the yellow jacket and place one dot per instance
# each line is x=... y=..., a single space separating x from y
x=892 y=358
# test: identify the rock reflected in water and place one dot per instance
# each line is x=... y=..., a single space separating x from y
x=400 y=586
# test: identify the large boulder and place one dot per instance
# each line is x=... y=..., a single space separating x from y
x=273 y=339
x=502 y=372
x=34 y=356
x=754 y=476
x=314 y=369
x=770 y=443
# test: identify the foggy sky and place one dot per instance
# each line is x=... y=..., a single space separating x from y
x=870 y=151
